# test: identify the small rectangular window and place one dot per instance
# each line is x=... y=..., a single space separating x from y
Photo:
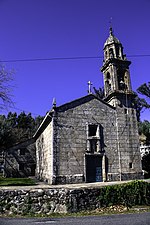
x=125 y=111
x=93 y=138
x=22 y=151
x=130 y=165
x=21 y=166
x=93 y=130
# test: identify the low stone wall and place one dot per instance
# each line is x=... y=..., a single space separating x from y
x=48 y=201
x=73 y=198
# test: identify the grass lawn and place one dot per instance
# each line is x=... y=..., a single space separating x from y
x=16 y=181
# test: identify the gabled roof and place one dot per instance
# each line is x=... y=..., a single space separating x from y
x=80 y=101
x=62 y=108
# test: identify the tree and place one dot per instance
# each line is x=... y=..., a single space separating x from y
x=144 y=89
x=7 y=136
x=99 y=92
x=38 y=120
x=140 y=104
x=5 y=86
x=16 y=128
x=144 y=128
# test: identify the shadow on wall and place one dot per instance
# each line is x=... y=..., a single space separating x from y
x=20 y=160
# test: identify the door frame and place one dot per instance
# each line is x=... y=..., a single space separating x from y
x=102 y=165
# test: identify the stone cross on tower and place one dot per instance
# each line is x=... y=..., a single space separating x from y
x=110 y=22
x=89 y=87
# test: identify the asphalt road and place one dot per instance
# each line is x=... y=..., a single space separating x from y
x=126 y=219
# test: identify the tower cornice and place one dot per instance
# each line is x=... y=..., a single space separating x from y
x=113 y=61
x=118 y=93
x=121 y=98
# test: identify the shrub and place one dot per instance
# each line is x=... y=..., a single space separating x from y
x=130 y=194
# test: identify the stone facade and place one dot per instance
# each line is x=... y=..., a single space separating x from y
x=88 y=139
x=117 y=151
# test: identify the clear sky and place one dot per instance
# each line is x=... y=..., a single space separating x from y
x=44 y=29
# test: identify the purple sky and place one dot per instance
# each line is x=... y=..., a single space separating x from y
x=41 y=29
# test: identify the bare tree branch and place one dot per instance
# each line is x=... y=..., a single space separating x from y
x=6 y=78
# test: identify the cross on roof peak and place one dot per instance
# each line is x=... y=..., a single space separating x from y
x=89 y=87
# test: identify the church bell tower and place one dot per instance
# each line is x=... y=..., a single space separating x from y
x=115 y=69
x=118 y=93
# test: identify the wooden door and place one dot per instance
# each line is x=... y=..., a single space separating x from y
x=93 y=168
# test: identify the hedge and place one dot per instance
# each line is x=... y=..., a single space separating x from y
x=129 y=194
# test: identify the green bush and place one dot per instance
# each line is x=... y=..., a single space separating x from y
x=130 y=194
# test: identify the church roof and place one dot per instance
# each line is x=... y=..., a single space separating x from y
x=66 y=107
x=80 y=101
x=111 y=39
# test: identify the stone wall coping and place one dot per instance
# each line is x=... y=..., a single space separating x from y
x=40 y=187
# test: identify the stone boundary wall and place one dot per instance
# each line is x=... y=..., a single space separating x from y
x=48 y=201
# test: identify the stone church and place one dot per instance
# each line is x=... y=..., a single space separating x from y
x=89 y=139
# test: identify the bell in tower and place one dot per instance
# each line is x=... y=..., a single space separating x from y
x=115 y=71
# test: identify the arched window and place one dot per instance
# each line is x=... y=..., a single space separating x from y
x=108 y=76
x=121 y=79
x=111 y=53
x=106 y=55
x=117 y=51
x=107 y=86
x=126 y=79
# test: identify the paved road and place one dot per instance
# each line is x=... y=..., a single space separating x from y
x=127 y=219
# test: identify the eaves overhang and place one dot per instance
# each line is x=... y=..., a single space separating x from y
x=114 y=61
x=47 y=119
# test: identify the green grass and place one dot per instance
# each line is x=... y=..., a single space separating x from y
x=16 y=181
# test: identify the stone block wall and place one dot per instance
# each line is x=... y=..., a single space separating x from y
x=44 y=154
x=128 y=144
x=47 y=201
